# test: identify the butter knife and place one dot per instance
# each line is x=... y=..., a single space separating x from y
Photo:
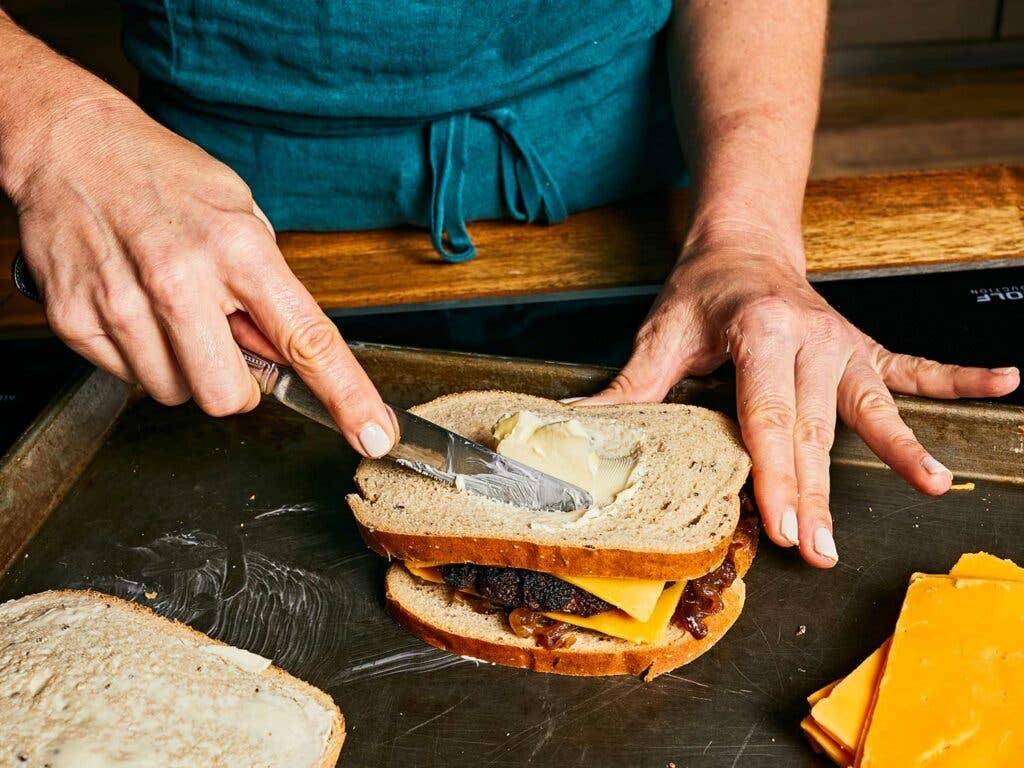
x=423 y=446
x=434 y=451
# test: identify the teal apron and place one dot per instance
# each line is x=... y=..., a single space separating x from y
x=361 y=114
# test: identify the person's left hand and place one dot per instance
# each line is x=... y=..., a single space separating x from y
x=742 y=293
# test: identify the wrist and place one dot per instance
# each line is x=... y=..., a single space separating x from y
x=42 y=94
x=744 y=230
x=745 y=215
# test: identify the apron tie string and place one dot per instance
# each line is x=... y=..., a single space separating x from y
x=448 y=166
x=529 y=191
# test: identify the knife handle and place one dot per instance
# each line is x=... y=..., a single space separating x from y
x=23 y=279
x=265 y=372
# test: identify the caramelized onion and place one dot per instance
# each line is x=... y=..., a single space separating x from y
x=547 y=633
x=477 y=603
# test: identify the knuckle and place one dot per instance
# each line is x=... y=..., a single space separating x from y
x=931 y=370
x=650 y=386
x=224 y=402
x=771 y=308
x=312 y=344
x=772 y=414
x=874 y=403
x=125 y=309
x=827 y=328
x=240 y=241
x=69 y=323
x=905 y=442
x=230 y=182
x=168 y=281
x=815 y=432
x=171 y=396
x=346 y=397
x=773 y=319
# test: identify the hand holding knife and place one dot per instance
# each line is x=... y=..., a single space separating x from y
x=422 y=445
x=434 y=451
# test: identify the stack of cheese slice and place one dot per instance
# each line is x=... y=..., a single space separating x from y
x=947 y=689
x=645 y=606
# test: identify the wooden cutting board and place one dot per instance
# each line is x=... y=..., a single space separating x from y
x=886 y=222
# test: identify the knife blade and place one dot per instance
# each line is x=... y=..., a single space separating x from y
x=432 y=450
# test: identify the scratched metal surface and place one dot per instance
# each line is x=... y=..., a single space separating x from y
x=239 y=527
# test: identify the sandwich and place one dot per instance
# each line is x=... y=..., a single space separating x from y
x=645 y=580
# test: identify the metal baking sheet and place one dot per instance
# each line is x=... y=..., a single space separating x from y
x=239 y=527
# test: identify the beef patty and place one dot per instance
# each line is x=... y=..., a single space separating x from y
x=521 y=588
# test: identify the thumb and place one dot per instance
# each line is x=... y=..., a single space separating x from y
x=646 y=378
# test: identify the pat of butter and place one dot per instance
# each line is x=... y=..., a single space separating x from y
x=566 y=450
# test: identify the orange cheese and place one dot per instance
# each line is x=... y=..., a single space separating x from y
x=981 y=565
x=825 y=744
x=821 y=693
x=619 y=624
x=425 y=571
x=637 y=597
x=843 y=712
x=952 y=692
x=844 y=717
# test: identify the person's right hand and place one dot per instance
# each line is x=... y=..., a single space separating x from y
x=153 y=259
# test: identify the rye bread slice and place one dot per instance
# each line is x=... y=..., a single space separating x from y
x=107 y=681
x=676 y=523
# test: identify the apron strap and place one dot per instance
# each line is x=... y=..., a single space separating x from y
x=529 y=190
x=448 y=166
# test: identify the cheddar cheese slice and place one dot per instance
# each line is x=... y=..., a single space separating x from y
x=952 y=692
x=981 y=565
x=637 y=597
x=843 y=712
x=848 y=714
x=825 y=743
x=425 y=571
x=619 y=624
x=821 y=693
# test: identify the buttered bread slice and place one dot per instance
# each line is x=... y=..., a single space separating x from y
x=89 y=680
x=668 y=512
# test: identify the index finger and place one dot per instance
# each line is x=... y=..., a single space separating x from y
x=306 y=338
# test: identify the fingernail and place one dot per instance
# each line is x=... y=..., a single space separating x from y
x=375 y=441
x=934 y=467
x=1008 y=371
x=788 y=527
x=824 y=544
x=568 y=400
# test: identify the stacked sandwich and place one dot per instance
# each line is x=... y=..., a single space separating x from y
x=645 y=580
